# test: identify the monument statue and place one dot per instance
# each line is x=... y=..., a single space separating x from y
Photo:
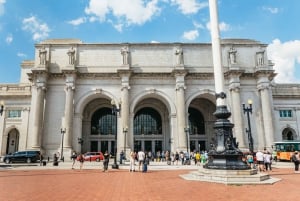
x=71 y=53
x=125 y=55
x=42 y=55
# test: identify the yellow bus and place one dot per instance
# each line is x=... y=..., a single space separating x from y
x=285 y=149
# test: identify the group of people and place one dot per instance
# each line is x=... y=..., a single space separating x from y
x=142 y=158
x=263 y=160
x=80 y=158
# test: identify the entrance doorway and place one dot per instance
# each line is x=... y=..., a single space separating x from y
x=12 y=144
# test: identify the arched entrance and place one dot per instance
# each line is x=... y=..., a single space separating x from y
x=148 y=130
x=288 y=134
x=151 y=130
x=99 y=126
x=201 y=122
x=12 y=144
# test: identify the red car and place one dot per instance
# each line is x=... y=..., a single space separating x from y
x=92 y=156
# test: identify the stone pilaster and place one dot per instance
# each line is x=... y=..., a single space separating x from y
x=267 y=113
x=237 y=112
x=40 y=87
x=181 y=113
x=122 y=139
x=69 y=107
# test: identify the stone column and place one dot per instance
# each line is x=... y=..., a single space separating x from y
x=181 y=113
x=123 y=143
x=38 y=116
x=267 y=113
x=125 y=120
x=237 y=114
x=69 y=89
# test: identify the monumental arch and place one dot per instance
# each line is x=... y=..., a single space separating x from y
x=159 y=90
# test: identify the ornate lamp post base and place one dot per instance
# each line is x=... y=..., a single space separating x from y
x=115 y=166
x=225 y=154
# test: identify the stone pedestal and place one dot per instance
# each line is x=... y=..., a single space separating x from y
x=230 y=176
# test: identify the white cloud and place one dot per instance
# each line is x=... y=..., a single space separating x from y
x=77 y=21
x=122 y=13
x=22 y=55
x=190 y=35
x=39 y=29
x=222 y=26
x=271 y=10
x=285 y=56
x=2 y=2
x=198 y=25
x=9 y=39
x=189 y=6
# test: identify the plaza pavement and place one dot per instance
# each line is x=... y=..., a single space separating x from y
x=20 y=182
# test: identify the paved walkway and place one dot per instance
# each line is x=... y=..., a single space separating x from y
x=48 y=183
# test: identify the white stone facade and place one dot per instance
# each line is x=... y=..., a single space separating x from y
x=68 y=82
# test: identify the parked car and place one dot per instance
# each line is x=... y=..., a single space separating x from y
x=22 y=156
x=93 y=156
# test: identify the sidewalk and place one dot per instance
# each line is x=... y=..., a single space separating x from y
x=94 y=165
x=99 y=165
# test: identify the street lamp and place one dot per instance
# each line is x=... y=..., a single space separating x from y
x=125 y=130
x=187 y=131
x=248 y=110
x=114 y=111
x=62 y=131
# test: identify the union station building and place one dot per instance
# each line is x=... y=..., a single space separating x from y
x=142 y=96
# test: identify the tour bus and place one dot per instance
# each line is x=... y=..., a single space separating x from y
x=285 y=149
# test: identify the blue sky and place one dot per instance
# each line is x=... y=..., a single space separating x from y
x=25 y=23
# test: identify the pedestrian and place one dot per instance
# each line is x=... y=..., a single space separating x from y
x=250 y=159
x=141 y=158
x=296 y=159
x=182 y=157
x=176 y=157
x=145 y=164
x=132 y=162
x=105 y=161
x=121 y=156
x=260 y=160
x=55 y=160
x=73 y=158
x=197 y=158
x=267 y=160
x=81 y=160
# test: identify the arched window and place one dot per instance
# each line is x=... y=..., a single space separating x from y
x=103 y=122
x=196 y=122
x=147 y=121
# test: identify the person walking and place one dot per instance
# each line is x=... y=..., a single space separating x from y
x=132 y=162
x=73 y=158
x=176 y=157
x=106 y=161
x=267 y=161
x=260 y=160
x=141 y=158
x=296 y=160
x=197 y=158
x=250 y=159
x=81 y=160
x=145 y=164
